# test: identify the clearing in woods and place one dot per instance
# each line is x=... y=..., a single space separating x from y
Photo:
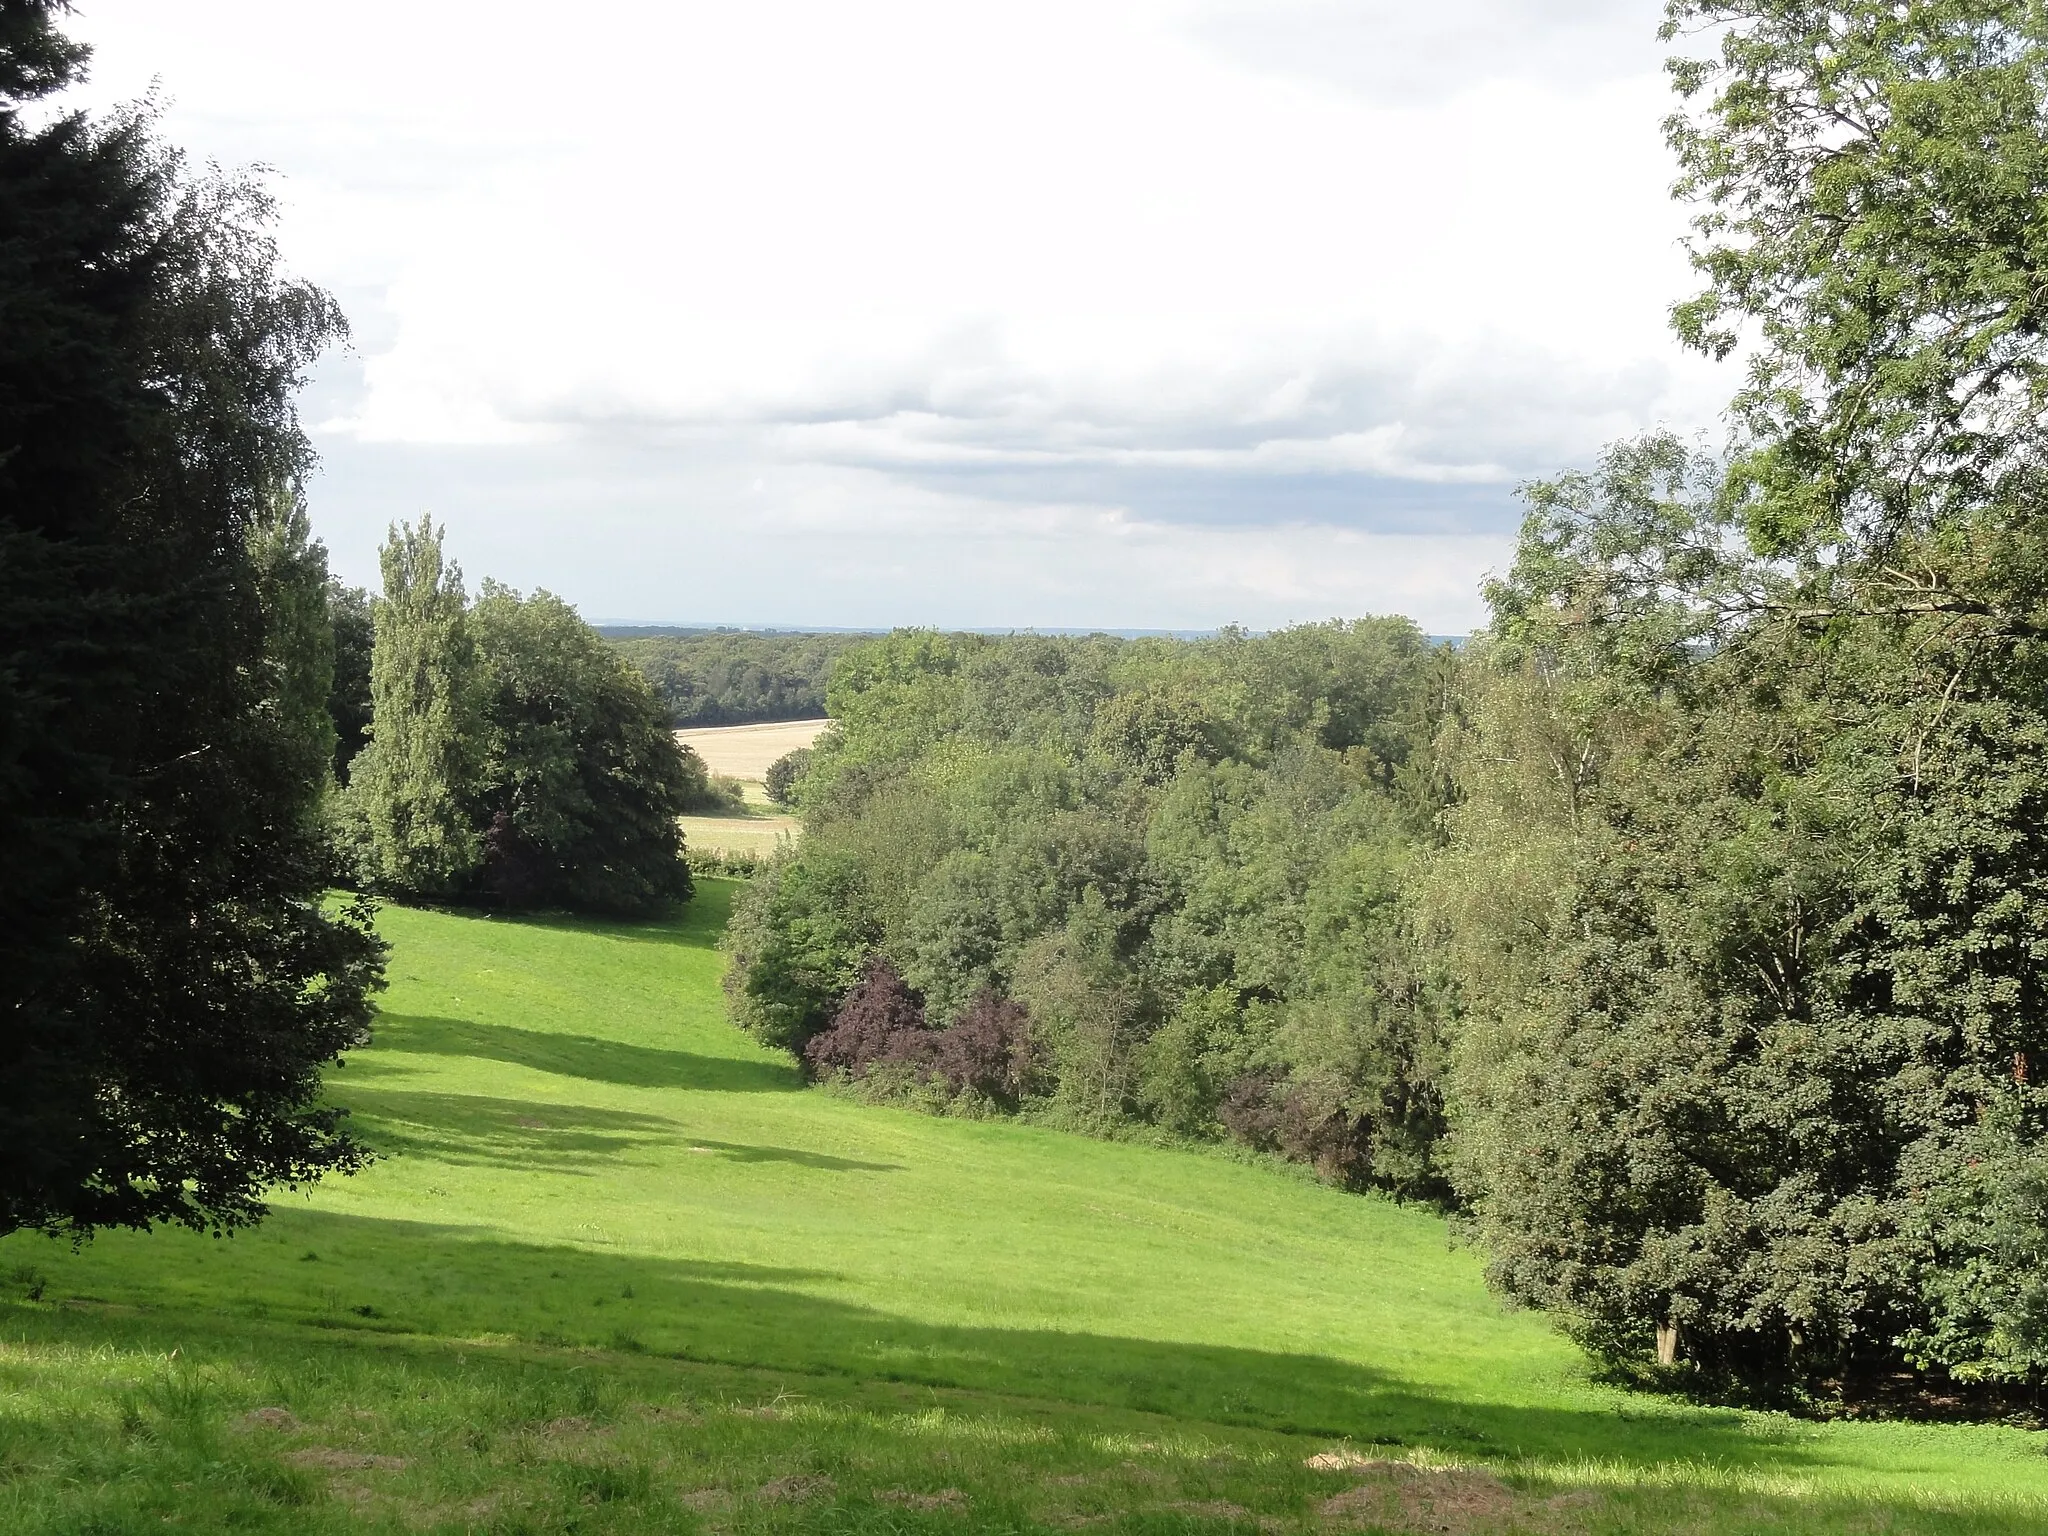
x=617 y=1270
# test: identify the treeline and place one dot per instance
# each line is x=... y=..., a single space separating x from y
x=727 y=677
x=1687 y=931
x=498 y=750
x=1185 y=865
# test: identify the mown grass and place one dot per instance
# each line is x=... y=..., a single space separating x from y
x=617 y=1271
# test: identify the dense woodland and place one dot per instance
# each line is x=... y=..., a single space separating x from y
x=731 y=677
x=1685 y=932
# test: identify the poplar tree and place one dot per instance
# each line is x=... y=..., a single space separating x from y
x=412 y=787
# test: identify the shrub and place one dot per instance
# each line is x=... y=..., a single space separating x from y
x=798 y=939
x=1264 y=1111
x=882 y=1019
x=988 y=1050
x=736 y=864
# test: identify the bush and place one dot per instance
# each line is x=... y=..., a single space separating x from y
x=1268 y=1114
x=989 y=1050
x=736 y=864
x=882 y=1019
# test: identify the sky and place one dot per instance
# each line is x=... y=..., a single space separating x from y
x=1123 y=313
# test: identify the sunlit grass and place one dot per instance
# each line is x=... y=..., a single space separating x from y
x=617 y=1270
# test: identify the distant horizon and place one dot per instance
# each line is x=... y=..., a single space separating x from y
x=635 y=631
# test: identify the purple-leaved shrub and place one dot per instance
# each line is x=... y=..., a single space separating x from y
x=882 y=1019
x=989 y=1050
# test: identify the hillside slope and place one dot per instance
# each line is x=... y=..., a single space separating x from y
x=586 y=1169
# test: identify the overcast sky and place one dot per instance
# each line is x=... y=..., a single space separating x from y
x=1132 y=313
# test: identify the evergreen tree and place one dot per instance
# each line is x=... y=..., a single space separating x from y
x=171 y=976
x=412 y=790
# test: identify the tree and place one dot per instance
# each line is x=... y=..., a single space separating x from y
x=354 y=622
x=172 y=978
x=785 y=774
x=412 y=789
x=1869 y=179
x=580 y=780
x=1748 y=923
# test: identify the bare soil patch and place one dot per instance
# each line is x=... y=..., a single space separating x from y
x=1398 y=1496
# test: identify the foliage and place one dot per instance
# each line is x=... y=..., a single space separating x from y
x=1869 y=178
x=734 y=677
x=581 y=779
x=712 y=794
x=882 y=1020
x=799 y=941
x=785 y=774
x=413 y=788
x=353 y=619
x=1746 y=897
x=173 y=981
x=513 y=757
x=1133 y=874
x=1748 y=936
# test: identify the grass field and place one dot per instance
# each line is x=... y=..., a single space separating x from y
x=616 y=1271
x=758 y=832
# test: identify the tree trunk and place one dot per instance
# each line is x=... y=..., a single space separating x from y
x=1667 y=1343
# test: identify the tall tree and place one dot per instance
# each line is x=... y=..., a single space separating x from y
x=171 y=977
x=354 y=623
x=412 y=789
x=290 y=568
x=580 y=781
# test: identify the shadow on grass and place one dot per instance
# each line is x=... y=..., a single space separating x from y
x=585 y=1056
x=454 y=1283
x=477 y=1131
x=695 y=924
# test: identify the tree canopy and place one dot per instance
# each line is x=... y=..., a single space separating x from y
x=511 y=755
x=172 y=976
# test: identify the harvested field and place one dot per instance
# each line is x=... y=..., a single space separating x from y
x=756 y=834
x=744 y=752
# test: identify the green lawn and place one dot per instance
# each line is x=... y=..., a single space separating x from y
x=617 y=1271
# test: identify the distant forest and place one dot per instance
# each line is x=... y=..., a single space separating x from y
x=733 y=677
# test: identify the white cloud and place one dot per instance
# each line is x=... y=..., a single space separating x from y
x=1233 y=284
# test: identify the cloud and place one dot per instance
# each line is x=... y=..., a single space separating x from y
x=1116 y=267
x=1398 y=51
